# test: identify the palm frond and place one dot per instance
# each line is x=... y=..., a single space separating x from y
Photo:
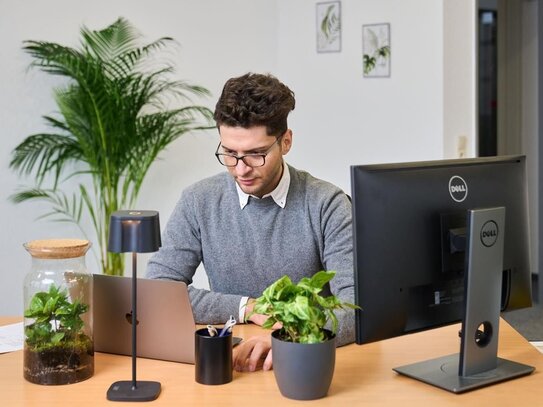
x=53 y=58
x=45 y=154
x=107 y=44
x=64 y=208
x=28 y=194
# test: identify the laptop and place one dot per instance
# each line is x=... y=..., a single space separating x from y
x=165 y=321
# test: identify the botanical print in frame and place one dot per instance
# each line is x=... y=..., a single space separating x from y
x=329 y=26
x=376 y=50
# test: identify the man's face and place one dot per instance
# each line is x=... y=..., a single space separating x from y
x=239 y=141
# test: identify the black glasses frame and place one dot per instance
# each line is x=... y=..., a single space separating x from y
x=242 y=157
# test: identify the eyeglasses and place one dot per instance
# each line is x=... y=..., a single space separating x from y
x=250 y=160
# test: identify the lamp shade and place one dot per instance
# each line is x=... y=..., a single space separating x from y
x=134 y=231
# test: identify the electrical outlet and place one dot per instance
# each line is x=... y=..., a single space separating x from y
x=461 y=146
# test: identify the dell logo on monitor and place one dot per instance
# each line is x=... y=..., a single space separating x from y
x=489 y=233
x=458 y=188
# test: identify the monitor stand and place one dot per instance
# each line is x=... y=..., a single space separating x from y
x=478 y=364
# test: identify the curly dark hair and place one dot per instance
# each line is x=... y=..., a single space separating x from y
x=255 y=100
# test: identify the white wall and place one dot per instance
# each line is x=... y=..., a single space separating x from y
x=459 y=79
x=341 y=118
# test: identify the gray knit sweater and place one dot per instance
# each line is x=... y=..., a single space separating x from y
x=245 y=250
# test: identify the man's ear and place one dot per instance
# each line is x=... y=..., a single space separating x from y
x=286 y=141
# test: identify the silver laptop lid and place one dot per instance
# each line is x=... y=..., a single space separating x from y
x=165 y=320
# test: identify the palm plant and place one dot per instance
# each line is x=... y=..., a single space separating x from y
x=113 y=122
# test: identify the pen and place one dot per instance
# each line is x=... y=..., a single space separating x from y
x=212 y=330
x=228 y=325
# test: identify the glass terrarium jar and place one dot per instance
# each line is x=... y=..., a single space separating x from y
x=58 y=341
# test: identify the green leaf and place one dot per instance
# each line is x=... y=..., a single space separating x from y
x=36 y=307
x=63 y=311
x=320 y=279
x=299 y=308
x=269 y=323
x=50 y=305
x=261 y=307
x=369 y=63
x=313 y=337
x=330 y=23
x=57 y=337
x=275 y=290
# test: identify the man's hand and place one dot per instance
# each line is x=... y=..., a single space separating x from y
x=253 y=354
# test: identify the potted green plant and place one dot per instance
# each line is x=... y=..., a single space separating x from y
x=57 y=349
x=303 y=349
x=118 y=109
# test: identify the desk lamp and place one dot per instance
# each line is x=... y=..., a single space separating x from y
x=136 y=232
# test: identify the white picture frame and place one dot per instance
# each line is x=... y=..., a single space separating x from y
x=328 y=26
x=376 y=51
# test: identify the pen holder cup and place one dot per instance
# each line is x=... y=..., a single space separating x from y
x=213 y=358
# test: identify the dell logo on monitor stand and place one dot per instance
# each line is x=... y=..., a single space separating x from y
x=489 y=233
x=458 y=188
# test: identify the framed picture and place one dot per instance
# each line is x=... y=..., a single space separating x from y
x=329 y=26
x=376 y=50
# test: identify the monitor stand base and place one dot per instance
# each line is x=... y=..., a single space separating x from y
x=443 y=372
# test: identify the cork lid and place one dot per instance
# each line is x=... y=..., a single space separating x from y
x=57 y=248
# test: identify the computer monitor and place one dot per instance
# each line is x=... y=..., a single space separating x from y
x=413 y=237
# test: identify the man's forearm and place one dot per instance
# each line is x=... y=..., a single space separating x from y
x=213 y=307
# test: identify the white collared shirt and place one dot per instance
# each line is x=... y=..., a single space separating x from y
x=279 y=196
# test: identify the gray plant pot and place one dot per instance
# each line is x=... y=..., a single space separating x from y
x=303 y=371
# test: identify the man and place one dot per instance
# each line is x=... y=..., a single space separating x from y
x=257 y=222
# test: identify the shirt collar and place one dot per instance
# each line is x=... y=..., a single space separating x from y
x=279 y=194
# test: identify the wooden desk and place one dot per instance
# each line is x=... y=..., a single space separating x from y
x=363 y=376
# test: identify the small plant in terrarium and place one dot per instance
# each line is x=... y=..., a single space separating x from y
x=57 y=350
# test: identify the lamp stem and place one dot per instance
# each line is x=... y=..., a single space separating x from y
x=134 y=317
